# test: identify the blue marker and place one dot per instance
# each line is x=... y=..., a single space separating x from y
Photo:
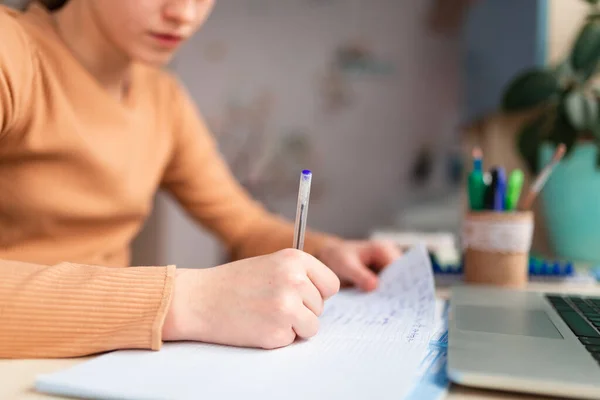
x=498 y=189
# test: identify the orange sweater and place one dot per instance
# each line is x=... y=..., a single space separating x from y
x=78 y=172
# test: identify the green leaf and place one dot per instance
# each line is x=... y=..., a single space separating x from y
x=593 y=2
x=529 y=140
x=593 y=16
x=582 y=110
x=529 y=89
x=564 y=71
x=586 y=51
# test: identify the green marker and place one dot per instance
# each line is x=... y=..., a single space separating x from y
x=476 y=185
x=477 y=188
x=513 y=192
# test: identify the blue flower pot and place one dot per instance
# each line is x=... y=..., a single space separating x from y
x=571 y=204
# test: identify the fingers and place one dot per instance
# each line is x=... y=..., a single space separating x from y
x=379 y=254
x=324 y=279
x=358 y=273
x=306 y=323
x=311 y=297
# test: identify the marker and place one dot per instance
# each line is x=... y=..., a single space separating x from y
x=496 y=190
x=513 y=192
x=476 y=182
x=489 y=193
x=541 y=179
x=302 y=209
x=499 y=188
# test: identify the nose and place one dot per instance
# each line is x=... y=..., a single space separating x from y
x=182 y=11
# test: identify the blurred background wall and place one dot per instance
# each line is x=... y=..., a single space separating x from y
x=374 y=96
x=357 y=91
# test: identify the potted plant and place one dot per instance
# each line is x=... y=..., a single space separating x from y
x=563 y=103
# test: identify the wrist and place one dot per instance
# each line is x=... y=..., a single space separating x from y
x=325 y=247
x=180 y=321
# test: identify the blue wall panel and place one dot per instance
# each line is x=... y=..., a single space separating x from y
x=501 y=38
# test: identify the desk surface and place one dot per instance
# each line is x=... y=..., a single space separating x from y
x=18 y=376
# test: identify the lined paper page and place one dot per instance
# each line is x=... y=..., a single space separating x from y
x=370 y=345
x=403 y=307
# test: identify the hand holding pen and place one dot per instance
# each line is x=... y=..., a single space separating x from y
x=355 y=262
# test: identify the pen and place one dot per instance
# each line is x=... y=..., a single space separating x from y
x=513 y=191
x=541 y=179
x=302 y=209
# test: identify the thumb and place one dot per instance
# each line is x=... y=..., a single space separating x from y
x=358 y=274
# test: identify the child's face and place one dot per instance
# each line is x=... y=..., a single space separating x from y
x=150 y=31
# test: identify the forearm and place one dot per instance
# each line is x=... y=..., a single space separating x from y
x=71 y=310
x=270 y=233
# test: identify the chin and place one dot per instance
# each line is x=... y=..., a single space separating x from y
x=156 y=59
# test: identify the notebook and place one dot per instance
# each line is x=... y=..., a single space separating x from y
x=370 y=345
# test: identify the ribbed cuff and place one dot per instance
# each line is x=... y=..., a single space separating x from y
x=163 y=308
x=72 y=310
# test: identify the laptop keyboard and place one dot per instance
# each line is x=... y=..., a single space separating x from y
x=582 y=314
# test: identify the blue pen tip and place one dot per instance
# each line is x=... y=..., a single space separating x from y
x=306 y=172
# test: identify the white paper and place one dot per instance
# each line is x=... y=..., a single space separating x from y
x=369 y=346
x=440 y=324
x=433 y=382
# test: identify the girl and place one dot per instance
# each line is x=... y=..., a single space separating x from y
x=90 y=127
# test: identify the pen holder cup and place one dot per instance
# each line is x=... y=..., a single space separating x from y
x=496 y=248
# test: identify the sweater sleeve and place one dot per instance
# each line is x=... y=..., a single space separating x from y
x=201 y=181
x=16 y=71
x=70 y=310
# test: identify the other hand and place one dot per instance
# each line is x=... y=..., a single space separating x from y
x=263 y=302
x=357 y=262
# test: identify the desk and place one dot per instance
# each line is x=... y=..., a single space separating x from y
x=17 y=376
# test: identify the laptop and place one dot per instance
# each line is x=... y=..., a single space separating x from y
x=531 y=342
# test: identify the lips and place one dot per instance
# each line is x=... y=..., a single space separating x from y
x=167 y=40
